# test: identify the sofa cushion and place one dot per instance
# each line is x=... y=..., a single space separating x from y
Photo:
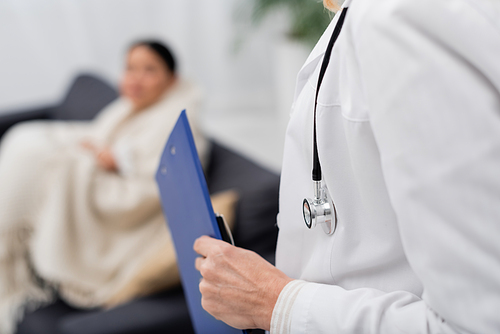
x=255 y=225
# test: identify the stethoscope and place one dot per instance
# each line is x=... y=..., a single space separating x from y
x=321 y=210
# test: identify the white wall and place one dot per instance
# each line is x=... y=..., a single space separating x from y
x=44 y=43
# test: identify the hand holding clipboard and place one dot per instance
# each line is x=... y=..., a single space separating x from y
x=188 y=209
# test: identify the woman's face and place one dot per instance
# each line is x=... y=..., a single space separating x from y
x=146 y=77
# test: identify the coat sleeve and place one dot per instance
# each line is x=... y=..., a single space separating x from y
x=431 y=76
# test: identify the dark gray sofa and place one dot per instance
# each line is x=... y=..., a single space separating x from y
x=165 y=312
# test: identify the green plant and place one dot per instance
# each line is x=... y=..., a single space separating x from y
x=308 y=17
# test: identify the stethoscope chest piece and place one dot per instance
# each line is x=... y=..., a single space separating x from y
x=320 y=210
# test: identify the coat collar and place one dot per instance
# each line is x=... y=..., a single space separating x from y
x=317 y=53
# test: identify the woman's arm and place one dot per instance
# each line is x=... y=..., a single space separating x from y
x=104 y=156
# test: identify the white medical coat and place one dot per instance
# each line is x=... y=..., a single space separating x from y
x=409 y=142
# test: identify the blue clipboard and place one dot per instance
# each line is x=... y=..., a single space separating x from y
x=188 y=210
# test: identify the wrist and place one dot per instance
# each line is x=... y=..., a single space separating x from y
x=273 y=291
x=285 y=309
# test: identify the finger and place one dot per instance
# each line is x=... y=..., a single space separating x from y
x=204 y=244
x=198 y=263
x=106 y=161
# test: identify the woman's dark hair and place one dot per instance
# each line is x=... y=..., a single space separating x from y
x=161 y=50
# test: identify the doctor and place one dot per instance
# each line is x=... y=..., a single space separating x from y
x=408 y=140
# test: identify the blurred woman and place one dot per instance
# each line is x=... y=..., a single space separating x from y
x=79 y=209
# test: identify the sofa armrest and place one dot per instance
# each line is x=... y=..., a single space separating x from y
x=12 y=118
